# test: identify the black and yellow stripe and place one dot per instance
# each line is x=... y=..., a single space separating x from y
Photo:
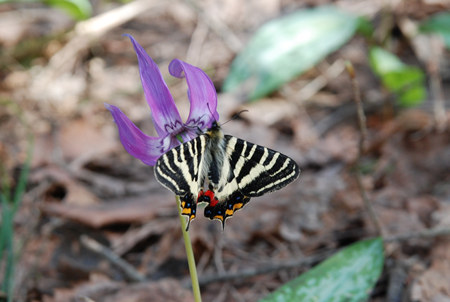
x=235 y=170
x=257 y=169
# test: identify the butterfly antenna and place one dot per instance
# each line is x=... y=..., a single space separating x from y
x=238 y=114
x=235 y=116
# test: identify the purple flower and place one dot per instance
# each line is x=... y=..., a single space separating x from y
x=166 y=118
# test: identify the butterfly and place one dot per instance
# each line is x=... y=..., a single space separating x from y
x=233 y=170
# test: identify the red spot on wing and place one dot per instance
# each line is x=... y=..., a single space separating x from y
x=214 y=202
x=210 y=194
x=208 y=197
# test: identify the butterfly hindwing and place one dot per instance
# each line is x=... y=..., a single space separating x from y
x=226 y=208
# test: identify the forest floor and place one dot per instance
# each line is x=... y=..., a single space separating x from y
x=84 y=188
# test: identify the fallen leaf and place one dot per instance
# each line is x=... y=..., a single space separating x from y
x=124 y=210
x=433 y=284
x=82 y=137
x=62 y=187
x=166 y=290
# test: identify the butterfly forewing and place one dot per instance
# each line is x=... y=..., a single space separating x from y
x=258 y=170
x=179 y=168
x=181 y=171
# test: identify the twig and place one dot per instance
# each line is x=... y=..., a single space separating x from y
x=217 y=26
x=419 y=234
x=368 y=203
x=359 y=107
x=314 y=86
x=90 y=30
x=397 y=279
x=218 y=260
x=437 y=49
x=362 y=140
x=341 y=114
x=296 y=263
x=131 y=273
x=155 y=227
x=198 y=37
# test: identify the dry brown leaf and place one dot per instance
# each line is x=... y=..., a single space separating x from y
x=166 y=290
x=82 y=137
x=270 y=111
x=43 y=151
x=62 y=187
x=95 y=291
x=156 y=227
x=125 y=210
x=397 y=221
x=342 y=144
x=433 y=285
x=424 y=207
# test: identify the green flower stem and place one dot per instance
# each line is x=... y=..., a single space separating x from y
x=189 y=254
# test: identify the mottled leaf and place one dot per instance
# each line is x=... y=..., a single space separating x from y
x=348 y=276
x=288 y=46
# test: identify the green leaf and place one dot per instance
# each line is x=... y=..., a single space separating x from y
x=78 y=9
x=6 y=229
x=347 y=276
x=407 y=82
x=286 y=47
x=438 y=24
x=383 y=61
x=365 y=27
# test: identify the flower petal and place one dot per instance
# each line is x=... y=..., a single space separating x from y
x=164 y=112
x=146 y=148
x=201 y=92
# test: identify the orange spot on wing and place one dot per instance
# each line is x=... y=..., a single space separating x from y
x=220 y=217
x=229 y=212
x=237 y=206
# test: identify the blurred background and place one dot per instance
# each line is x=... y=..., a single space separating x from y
x=68 y=184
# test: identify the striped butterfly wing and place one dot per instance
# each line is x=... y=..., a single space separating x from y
x=257 y=169
x=249 y=170
x=180 y=170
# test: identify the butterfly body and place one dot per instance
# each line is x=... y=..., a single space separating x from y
x=232 y=169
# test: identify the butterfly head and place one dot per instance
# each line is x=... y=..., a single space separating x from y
x=215 y=125
x=215 y=131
